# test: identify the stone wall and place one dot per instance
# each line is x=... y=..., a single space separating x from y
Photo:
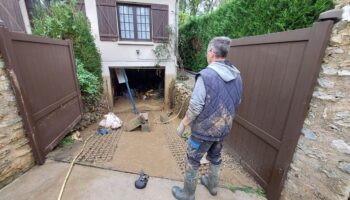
x=321 y=164
x=182 y=95
x=15 y=153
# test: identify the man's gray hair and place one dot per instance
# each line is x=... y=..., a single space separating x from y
x=220 y=46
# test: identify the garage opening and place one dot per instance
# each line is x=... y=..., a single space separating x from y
x=145 y=84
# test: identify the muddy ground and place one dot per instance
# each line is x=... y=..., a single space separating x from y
x=159 y=153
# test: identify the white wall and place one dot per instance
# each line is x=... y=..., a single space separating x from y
x=123 y=53
x=25 y=16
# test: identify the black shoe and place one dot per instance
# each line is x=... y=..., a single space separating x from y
x=141 y=182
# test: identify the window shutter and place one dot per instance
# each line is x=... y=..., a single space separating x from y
x=107 y=20
x=160 y=22
x=11 y=14
x=81 y=6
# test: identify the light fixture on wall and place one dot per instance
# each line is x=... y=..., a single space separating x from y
x=138 y=51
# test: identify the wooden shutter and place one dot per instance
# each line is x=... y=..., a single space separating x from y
x=81 y=6
x=107 y=19
x=11 y=14
x=160 y=22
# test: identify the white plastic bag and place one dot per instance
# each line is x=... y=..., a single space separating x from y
x=111 y=121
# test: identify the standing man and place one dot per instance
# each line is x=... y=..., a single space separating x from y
x=213 y=105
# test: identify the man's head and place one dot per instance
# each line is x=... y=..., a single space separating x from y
x=218 y=48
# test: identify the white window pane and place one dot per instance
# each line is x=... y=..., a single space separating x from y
x=139 y=35
x=147 y=20
x=123 y=34
x=131 y=19
x=147 y=27
x=131 y=27
x=146 y=11
x=143 y=27
x=121 y=9
x=138 y=19
x=132 y=34
x=148 y=36
x=138 y=27
x=138 y=12
x=130 y=10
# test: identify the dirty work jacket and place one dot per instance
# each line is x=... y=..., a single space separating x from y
x=221 y=102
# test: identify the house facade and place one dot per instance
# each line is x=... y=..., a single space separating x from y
x=131 y=35
x=128 y=35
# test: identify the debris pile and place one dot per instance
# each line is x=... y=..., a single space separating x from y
x=139 y=121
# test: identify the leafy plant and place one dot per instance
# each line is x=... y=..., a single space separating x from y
x=68 y=140
x=249 y=190
x=62 y=21
x=90 y=86
x=240 y=18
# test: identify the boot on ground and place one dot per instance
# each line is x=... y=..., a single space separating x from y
x=211 y=181
x=190 y=184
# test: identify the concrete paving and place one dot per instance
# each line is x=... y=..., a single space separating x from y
x=90 y=183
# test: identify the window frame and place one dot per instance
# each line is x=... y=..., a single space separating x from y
x=134 y=6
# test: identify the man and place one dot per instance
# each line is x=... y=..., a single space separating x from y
x=214 y=102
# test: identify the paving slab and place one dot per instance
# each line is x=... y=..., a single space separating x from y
x=90 y=183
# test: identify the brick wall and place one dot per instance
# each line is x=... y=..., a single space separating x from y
x=321 y=164
x=15 y=153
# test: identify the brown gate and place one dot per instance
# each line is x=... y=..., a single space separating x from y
x=279 y=72
x=43 y=76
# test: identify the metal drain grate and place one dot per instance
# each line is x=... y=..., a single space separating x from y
x=100 y=148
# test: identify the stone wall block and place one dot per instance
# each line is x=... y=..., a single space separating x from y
x=15 y=153
x=329 y=69
x=325 y=83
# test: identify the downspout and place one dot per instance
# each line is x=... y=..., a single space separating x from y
x=177 y=30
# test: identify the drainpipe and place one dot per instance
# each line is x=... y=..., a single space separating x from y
x=177 y=28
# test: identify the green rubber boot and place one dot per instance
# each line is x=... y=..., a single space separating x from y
x=188 y=192
x=211 y=181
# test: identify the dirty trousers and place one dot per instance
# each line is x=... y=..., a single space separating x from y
x=197 y=148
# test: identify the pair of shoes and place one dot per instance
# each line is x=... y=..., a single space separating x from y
x=210 y=181
x=141 y=182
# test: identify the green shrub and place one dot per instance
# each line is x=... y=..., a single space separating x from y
x=239 y=18
x=62 y=21
x=90 y=86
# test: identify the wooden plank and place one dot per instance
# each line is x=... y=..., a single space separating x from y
x=134 y=123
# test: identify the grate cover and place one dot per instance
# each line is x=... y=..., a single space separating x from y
x=100 y=148
x=178 y=149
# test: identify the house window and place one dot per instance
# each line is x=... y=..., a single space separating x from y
x=134 y=22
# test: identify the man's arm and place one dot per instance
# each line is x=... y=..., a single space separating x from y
x=197 y=101
x=195 y=107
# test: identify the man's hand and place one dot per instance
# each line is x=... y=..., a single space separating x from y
x=180 y=130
